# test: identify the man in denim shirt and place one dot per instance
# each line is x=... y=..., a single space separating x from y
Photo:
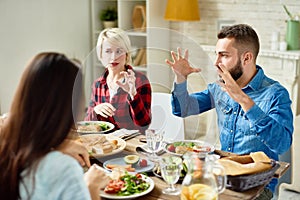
x=254 y=111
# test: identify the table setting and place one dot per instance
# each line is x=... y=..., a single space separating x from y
x=145 y=154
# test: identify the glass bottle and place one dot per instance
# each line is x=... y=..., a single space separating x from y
x=204 y=180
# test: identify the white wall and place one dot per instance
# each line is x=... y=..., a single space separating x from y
x=265 y=16
x=28 y=27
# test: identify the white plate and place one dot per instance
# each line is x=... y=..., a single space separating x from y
x=113 y=196
x=121 y=144
x=110 y=125
x=196 y=142
x=138 y=168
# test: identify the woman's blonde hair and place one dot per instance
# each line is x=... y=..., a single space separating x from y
x=115 y=36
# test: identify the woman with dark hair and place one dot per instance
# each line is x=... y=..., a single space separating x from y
x=47 y=101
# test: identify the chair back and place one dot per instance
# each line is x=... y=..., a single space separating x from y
x=163 y=118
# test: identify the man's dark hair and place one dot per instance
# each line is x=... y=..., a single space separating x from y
x=245 y=37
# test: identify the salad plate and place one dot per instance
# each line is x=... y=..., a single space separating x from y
x=132 y=196
x=179 y=148
x=88 y=127
x=121 y=162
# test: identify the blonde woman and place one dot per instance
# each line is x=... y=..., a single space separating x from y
x=121 y=95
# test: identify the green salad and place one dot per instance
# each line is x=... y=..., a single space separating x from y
x=103 y=126
x=127 y=185
x=133 y=184
x=184 y=144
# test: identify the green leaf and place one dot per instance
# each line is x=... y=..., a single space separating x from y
x=287 y=12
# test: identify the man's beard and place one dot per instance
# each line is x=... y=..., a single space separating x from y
x=236 y=72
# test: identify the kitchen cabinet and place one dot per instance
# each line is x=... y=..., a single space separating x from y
x=153 y=39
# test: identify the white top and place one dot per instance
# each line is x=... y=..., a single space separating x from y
x=58 y=176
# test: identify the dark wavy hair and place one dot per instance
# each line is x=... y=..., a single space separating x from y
x=41 y=117
x=245 y=37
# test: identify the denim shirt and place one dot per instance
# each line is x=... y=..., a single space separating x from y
x=267 y=126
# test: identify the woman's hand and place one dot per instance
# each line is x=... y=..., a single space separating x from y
x=105 y=110
x=129 y=83
x=180 y=65
x=77 y=150
x=95 y=179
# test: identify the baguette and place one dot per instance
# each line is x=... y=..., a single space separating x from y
x=256 y=162
x=233 y=168
x=244 y=159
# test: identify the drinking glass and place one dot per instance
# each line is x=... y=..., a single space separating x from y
x=171 y=167
x=154 y=142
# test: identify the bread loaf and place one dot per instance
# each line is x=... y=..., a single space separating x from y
x=246 y=164
x=102 y=149
x=244 y=159
x=114 y=143
x=234 y=168
x=260 y=157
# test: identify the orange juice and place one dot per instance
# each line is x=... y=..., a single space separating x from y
x=198 y=192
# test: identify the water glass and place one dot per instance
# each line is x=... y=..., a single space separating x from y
x=171 y=167
x=154 y=141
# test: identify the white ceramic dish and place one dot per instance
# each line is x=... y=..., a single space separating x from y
x=203 y=146
x=121 y=144
x=82 y=123
x=114 y=196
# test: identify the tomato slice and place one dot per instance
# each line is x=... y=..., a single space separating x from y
x=109 y=190
x=138 y=175
x=114 y=186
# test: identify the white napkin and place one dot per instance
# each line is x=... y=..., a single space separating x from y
x=146 y=150
x=122 y=133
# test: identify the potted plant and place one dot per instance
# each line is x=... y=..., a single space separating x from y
x=293 y=30
x=109 y=17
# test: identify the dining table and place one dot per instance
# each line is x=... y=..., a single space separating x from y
x=156 y=193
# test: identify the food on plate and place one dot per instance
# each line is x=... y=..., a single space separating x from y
x=98 y=144
x=233 y=165
x=127 y=184
x=131 y=159
x=105 y=148
x=143 y=163
x=171 y=148
x=182 y=149
x=89 y=127
x=128 y=168
x=92 y=127
x=184 y=146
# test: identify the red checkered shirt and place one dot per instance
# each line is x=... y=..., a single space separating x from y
x=130 y=114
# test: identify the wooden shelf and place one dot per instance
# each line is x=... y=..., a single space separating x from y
x=152 y=39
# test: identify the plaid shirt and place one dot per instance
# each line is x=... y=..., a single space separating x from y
x=129 y=114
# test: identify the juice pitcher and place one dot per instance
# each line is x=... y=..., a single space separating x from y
x=205 y=178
